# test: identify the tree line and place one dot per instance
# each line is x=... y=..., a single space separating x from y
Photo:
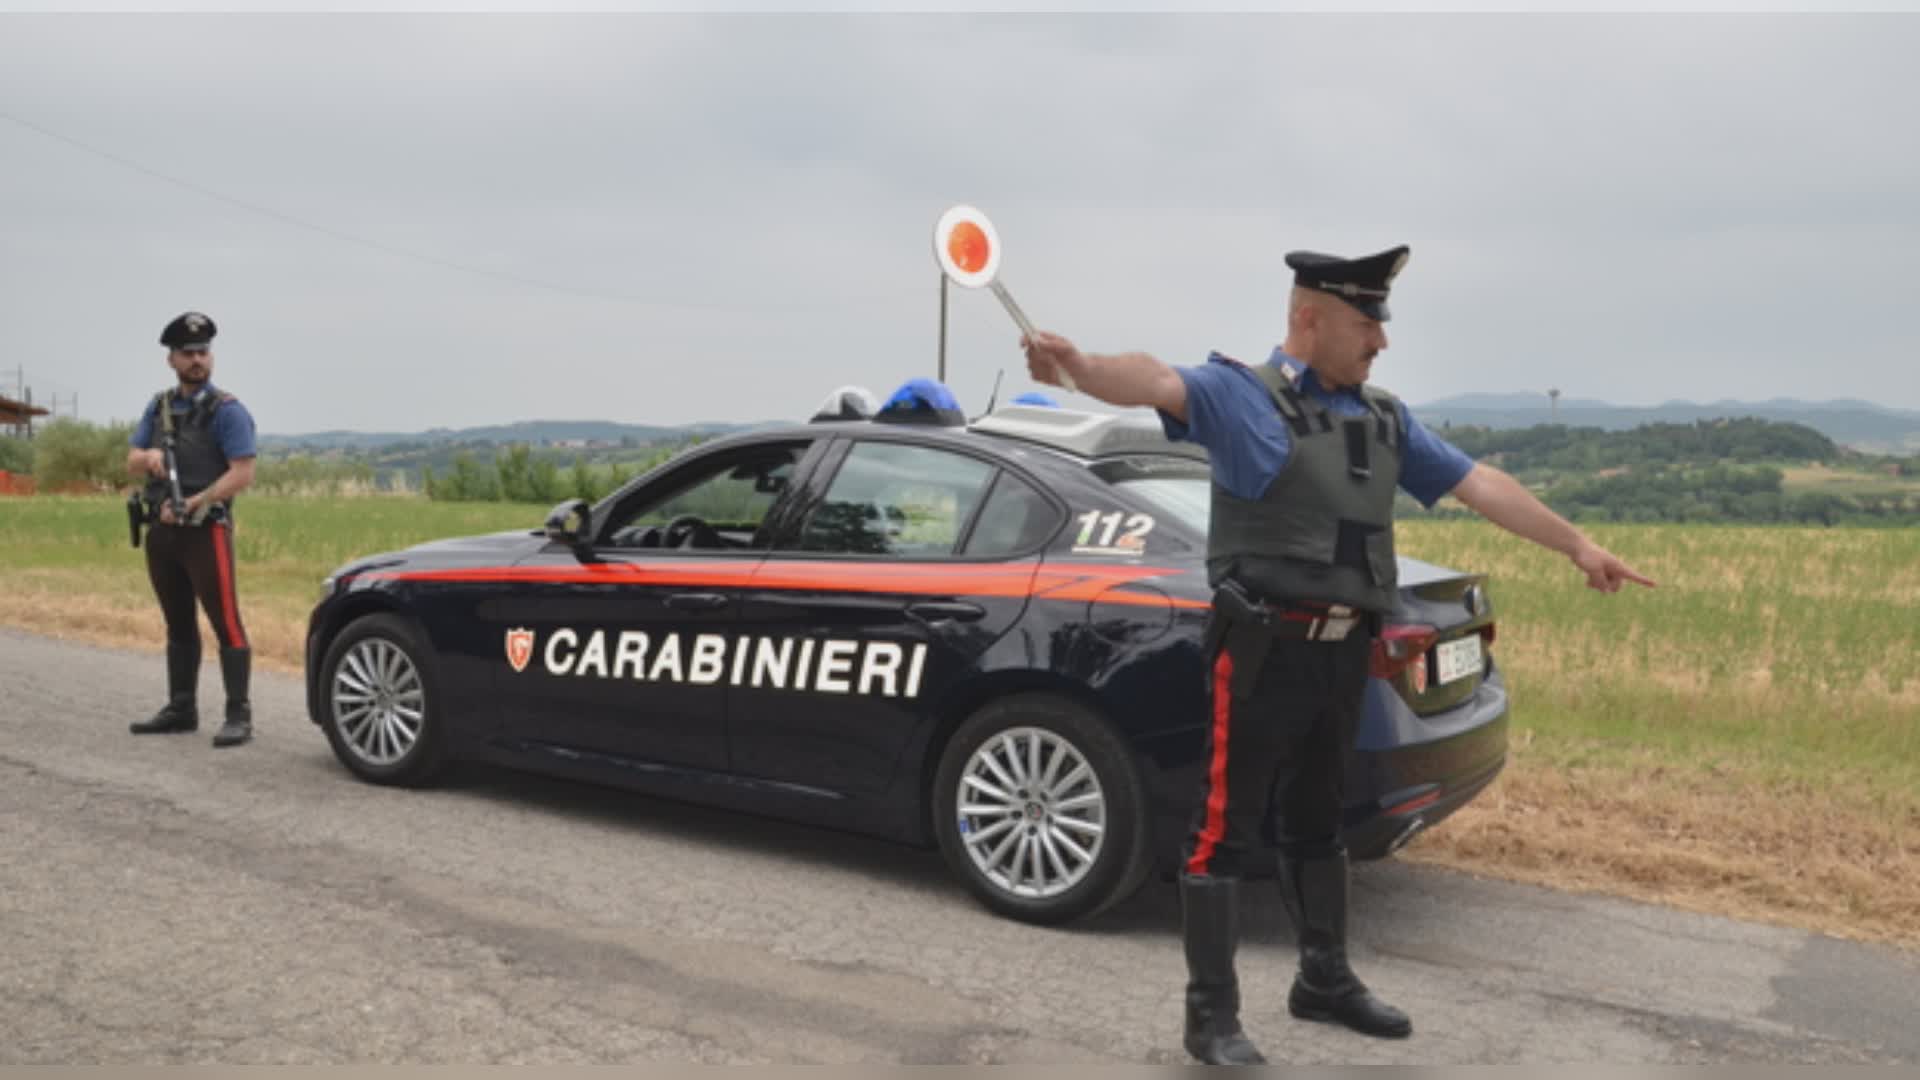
x=1708 y=471
x=1558 y=448
x=77 y=455
x=516 y=474
x=1712 y=470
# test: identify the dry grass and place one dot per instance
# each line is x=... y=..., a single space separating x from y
x=1715 y=841
x=76 y=606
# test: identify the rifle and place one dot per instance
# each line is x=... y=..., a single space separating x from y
x=141 y=506
x=174 y=498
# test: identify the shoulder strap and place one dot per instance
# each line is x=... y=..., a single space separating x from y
x=1287 y=398
x=1386 y=415
x=206 y=405
x=163 y=411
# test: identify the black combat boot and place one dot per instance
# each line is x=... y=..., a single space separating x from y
x=1315 y=893
x=235 y=664
x=1210 y=917
x=183 y=677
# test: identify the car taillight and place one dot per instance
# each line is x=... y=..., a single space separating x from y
x=1486 y=632
x=1399 y=648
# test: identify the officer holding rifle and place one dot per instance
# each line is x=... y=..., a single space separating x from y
x=194 y=447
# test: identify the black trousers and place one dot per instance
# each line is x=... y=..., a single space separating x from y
x=1276 y=758
x=186 y=563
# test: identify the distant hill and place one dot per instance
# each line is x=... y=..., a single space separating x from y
x=531 y=432
x=1861 y=425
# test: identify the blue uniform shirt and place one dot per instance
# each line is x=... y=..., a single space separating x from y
x=1231 y=414
x=232 y=426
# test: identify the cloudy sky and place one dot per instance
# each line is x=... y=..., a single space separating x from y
x=446 y=220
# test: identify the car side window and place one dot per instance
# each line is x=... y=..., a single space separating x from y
x=721 y=505
x=1015 y=518
x=892 y=499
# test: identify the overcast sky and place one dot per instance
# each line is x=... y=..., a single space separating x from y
x=408 y=222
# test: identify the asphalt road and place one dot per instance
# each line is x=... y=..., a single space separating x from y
x=164 y=902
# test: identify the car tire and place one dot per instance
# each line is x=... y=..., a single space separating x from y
x=1085 y=839
x=378 y=702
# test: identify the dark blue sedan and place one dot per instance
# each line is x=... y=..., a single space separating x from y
x=980 y=635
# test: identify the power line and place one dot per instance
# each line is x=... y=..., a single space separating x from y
x=400 y=252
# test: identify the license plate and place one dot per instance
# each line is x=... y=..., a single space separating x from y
x=1457 y=659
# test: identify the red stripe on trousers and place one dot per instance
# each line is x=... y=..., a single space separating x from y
x=1216 y=825
x=223 y=558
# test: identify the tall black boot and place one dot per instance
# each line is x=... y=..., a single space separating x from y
x=1315 y=893
x=235 y=666
x=1210 y=918
x=180 y=713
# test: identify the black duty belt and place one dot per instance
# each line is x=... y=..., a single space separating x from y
x=1297 y=620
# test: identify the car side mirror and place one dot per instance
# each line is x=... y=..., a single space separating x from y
x=567 y=523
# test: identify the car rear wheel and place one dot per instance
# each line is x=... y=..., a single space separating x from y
x=1038 y=808
x=378 y=702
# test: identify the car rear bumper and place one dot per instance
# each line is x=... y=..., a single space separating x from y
x=1376 y=832
x=1410 y=772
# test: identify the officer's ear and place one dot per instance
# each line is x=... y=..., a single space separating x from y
x=1303 y=313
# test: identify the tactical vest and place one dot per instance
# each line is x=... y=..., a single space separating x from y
x=196 y=450
x=1323 y=530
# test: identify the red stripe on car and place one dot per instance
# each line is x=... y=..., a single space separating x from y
x=1085 y=583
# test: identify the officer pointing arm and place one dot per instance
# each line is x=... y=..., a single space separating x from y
x=1137 y=378
x=1305 y=457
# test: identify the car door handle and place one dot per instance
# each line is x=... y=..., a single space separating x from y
x=697 y=601
x=941 y=610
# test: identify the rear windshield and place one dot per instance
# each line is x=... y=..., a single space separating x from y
x=1177 y=488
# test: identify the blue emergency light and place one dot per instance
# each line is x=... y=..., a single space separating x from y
x=922 y=401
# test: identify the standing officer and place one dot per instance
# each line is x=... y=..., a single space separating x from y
x=1305 y=457
x=190 y=554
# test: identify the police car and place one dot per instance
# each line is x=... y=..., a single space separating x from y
x=984 y=636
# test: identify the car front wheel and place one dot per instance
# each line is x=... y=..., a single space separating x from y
x=1038 y=808
x=378 y=704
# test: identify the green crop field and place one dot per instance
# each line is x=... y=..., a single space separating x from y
x=1745 y=737
x=1794 y=648
x=1799 y=648
x=70 y=568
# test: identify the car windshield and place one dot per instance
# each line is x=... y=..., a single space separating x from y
x=1177 y=487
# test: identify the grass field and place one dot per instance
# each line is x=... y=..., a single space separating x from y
x=1798 y=479
x=1743 y=739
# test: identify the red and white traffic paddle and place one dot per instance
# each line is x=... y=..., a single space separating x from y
x=968 y=250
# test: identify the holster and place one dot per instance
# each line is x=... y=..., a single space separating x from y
x=136 y=517
x=1244 y=627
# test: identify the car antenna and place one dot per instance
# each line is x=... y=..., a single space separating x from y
x=994 y=396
